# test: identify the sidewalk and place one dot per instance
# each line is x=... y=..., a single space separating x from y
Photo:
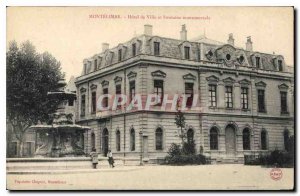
x=76 y=171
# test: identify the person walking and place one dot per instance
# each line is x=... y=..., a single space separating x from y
x=94 y=156
x=110 y=159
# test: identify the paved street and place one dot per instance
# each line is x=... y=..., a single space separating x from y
x=157 y=177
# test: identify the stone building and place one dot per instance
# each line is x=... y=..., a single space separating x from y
x=246 y=97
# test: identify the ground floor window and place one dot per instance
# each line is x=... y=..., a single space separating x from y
x=118 y=141
x=132 y=140
x=286 y=139
x=246 y=139
x=190 y=136
x=159 y=139
x=213 y=138
x=93 y=140
x=263 y=139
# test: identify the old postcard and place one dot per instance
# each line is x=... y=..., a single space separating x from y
x=150 y=98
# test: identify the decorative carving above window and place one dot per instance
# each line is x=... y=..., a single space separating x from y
x=209 y=55
x=189 y=77
x=226 y=53
x=132 y=75
x=104 y=83
x=212 y=79
x=241 y=59
x=229 y=81
x=261 y=84
x=283 y=87
x=244 y=82
x=159 y=74
x=82 y=90
x=118 y=79
x=93 y=86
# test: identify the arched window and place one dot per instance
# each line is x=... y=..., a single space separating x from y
x=159 y=139
x=263 y=139
x=132 y=140
x=118 y=141
x=93 y=140
x=213 y=138
x=286 y=136
x=190 y=136
x=246 y=139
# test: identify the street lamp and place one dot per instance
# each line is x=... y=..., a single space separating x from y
x=141 y=147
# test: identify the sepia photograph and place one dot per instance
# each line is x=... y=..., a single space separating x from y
x=150 y=98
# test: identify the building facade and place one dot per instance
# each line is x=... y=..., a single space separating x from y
x=245 y=98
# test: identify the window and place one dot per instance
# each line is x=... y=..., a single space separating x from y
x=94 y=102
x=14 y=148
x=105 y=99
x=283 y=101
x=93 y=140
x=280 y=65
x=131 y=90
x=263 y=139
x=244 y=97
x=156 y=49
x=257 y=62
x=82 y=112
x=27 y=148
x=133 y=49
x=213 y=95
x=159 y=139
x=228 y=96
x=118 y=93
x=118 y=141
x=132 y=140
x=159 y=90
x=190 y=136
x=95 y=65
x=228 y=57
x=286 y=139
x=71 y=102
x=246 y=139
x=187 y=52
x=120 y=54
x=261 y=100
x=189 y=90
x=213 y=139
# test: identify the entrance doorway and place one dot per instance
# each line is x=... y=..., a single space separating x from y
x=230 y=140
x=105 y=142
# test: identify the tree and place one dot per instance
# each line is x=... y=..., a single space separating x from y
x=180 y=123
x=30 y=76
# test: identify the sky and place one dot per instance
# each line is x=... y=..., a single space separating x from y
x=71 y=35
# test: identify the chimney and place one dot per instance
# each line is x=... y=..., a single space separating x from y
x=105 y=46
x=148 y=29
x=183 y=33
x=249 y=44
x=230 y=39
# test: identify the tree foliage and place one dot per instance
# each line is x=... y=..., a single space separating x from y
x=30 y=76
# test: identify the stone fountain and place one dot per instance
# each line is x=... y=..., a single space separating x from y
x=62 y=138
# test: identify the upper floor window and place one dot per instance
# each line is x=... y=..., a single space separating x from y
x=187 y=52
x=156 y=48
x=158 y=139
x=283 y=101
x=133 y=49
x=105 y=99
x=118 y=93
x=280 y=65
x=159 y=90
x=189 y=91
x=94 y=103
x=95 y=64
x=261 y=100
x=228 y=96
x=257 y=62
x=212 y=95
x=120 y=54
x=131 y=90
x=82 y=112
x=244 y=97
